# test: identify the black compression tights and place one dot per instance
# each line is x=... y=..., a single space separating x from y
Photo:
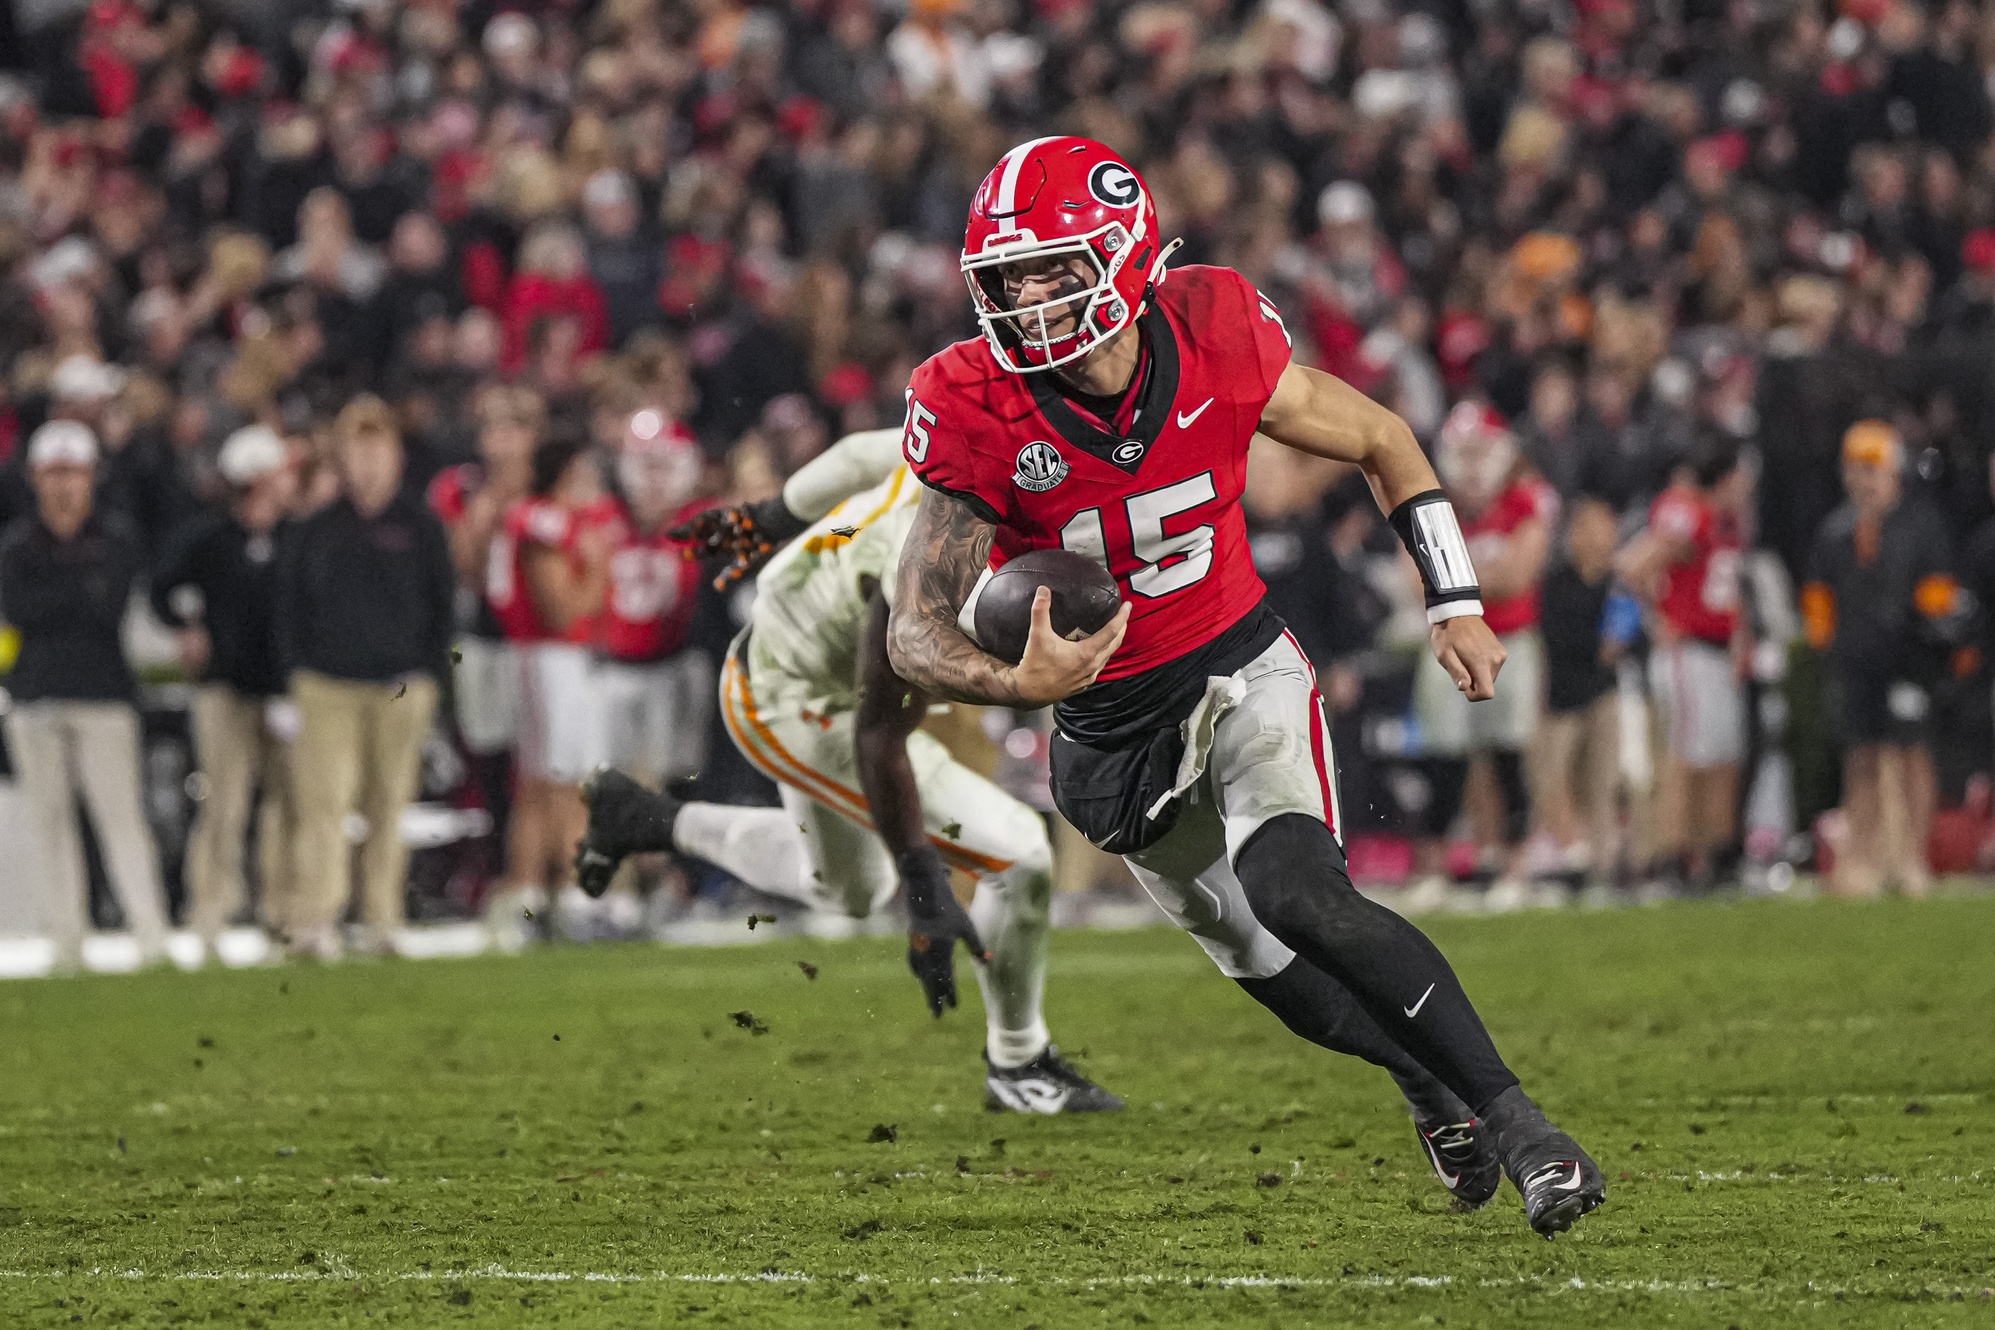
x=1318 y=1008
x=1295 y=880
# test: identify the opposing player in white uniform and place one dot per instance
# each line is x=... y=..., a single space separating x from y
x=870 y=802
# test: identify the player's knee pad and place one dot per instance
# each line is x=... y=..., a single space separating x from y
x=1294 y=875
x=1024 y=890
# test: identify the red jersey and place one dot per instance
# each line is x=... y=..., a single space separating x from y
x=1700 y=595
x=653 y=589
x=534 y=521
x=1156 y=501
x=1488 y=534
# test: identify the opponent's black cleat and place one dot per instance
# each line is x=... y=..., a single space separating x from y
x=1047 y=1084
x=1558 y=1181
x=1464 y=1158
x=624 y=819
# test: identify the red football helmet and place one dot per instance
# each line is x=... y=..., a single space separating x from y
x=1475 y=453
x=1051 y=197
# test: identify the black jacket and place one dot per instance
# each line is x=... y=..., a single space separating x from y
x=366 y=600
x=236 y=574
x=68 y=599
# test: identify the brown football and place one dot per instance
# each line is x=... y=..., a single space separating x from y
x=1085 y=598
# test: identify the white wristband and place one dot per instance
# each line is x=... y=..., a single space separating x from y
x=1453 y=609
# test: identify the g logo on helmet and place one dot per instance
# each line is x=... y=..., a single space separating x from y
x=1115 y=184
x=1040 y=467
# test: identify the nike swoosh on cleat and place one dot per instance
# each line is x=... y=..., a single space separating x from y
x=1569 y=1186
x=1185 y=420
x=1414 y=1010
x=1030 y=1096
x=1448 y=1179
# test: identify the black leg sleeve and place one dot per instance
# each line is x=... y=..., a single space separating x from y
x=1295 y=880
x=1318 y=1008
x=1447 y=778
x=1516 y=797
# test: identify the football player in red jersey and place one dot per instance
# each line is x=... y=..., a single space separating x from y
x=1507 y=516
x=1107 y=409
x=652 y=697
x=1687 y=563
x=549 y=573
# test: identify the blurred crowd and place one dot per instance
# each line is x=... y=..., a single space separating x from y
x=373 y=349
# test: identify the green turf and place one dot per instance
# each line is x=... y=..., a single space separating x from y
x=1791 y=1102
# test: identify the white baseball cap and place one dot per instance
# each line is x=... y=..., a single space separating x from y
x=1344 y=201
x=84 y=378
x=251 y=453
x=62 y=443
x=606 y=189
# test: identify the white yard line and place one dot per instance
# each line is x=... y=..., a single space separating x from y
x=335 y=1270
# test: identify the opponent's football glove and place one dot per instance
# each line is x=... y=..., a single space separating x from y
x=935 y=923
x=747 y=534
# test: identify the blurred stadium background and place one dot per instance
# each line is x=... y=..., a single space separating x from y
x=351 y=350
x=1631 y=229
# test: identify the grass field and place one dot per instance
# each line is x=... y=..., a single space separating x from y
x=1791 y=1103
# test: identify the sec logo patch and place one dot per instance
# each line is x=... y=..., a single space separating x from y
x=1040 y=467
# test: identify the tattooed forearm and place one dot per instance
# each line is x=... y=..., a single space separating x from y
x=947 y=549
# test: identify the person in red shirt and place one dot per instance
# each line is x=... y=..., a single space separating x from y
x=1107 y=411
x=550 y=574
x=1508 y=514
x=1686 y=565
x=553 y=283
x=472 y=499
x=653 y=698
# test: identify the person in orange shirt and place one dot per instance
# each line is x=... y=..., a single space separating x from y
x=1881 y=598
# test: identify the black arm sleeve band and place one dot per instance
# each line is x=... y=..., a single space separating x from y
x=1427 y=527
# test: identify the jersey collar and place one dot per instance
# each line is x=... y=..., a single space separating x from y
x=1158 y=390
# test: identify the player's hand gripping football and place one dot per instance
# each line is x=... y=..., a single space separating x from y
x=936 y=921
x=1470 y=653
x=747 y=534
x=1053 y=667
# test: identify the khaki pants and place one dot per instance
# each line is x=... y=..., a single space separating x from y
x=1576 y=776
x=237 y=755
x=60 y=749
x=359 y=750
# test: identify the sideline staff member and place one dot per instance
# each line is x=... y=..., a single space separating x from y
x=1882 y=600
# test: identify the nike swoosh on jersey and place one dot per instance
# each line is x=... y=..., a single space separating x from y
x=1185 y=420
x=1414 y=1010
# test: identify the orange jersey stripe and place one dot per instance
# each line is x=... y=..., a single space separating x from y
x=766 y=752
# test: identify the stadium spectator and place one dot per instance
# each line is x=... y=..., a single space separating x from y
x=65 y=576
x=216 y=584
x=1507 y=515
x=1686 y=563
x=1882 y=600
x=769 y=201
x=365 y=601
x=550 y=575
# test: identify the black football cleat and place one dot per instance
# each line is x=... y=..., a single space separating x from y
x=1047 y=1084
x=1558 y=1181
x=1464 y=1158
x=624 y=819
